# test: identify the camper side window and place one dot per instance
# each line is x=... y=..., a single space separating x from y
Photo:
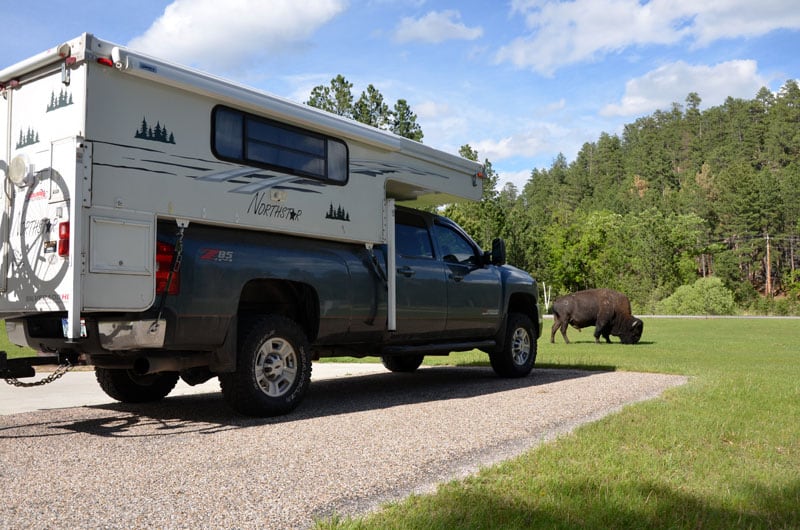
x=250 y=139
x=228 y=134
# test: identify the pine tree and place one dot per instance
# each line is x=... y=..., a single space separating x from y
x=404 y=121
x=371 y=108
x=335 y=98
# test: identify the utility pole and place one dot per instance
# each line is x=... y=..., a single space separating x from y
x=769 y=270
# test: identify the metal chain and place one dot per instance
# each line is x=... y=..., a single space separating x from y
x=178 y=251
x=59 y=372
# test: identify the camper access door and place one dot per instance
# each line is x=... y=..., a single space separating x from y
x=43 y=162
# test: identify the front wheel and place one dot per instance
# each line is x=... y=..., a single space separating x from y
x=129 y=387
x=273 y=369
x=518 y=354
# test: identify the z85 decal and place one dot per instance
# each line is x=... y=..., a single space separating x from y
x=215 y=254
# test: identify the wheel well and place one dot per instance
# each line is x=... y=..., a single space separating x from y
x=294 y=300
x=525 y=304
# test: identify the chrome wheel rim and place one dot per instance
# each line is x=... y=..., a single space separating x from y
x=520 y=346
x=276 y=367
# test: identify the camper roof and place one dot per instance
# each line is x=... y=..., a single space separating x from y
x=90 y=48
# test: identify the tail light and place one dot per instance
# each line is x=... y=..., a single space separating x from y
x=63 y=239
x=165 y=254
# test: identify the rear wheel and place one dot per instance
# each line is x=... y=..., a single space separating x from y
x=273 y=369
x=402 y=363
x=129 y=387
x=518 y=354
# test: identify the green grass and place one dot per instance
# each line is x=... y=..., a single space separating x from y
x=721 y=452
x=12 y=350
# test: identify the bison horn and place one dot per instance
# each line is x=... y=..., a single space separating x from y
x=635 y=323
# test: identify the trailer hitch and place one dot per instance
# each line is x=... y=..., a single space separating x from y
x=12 y=369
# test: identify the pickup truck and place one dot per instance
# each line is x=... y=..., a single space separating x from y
x=257 y=308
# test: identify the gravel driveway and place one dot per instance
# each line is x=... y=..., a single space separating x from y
x=188 y=462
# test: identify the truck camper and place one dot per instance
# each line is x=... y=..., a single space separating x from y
x=162 y=223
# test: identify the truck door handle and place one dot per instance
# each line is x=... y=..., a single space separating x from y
x=406 y=271
x=457 y=277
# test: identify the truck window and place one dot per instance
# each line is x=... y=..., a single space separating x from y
x=411 y=236
x=453 y=246
x=245 y=138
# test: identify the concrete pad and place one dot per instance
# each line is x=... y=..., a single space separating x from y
x=79 y=388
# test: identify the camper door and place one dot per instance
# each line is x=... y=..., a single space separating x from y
x=41 y=157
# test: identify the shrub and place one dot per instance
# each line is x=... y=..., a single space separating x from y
x=793 y=286
x=774 y=307
x=706 y=296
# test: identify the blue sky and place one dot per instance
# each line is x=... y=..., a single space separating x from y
x=520 y=81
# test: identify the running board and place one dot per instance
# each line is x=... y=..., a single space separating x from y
x=438 y=349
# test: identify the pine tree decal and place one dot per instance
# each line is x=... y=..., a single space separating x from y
x=159 y=133
x=27 y=138
x=63 y=99
x=338 y=214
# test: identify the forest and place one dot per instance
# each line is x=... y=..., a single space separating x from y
x=687 y=211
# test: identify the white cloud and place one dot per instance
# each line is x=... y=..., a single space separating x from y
x=508 y=140
x=299 y=86
x=513 y=143
x=508 y=147
x=231 y=35
x=517 y=178
x=435 y=27
x=445 y=132
x=530 y=140
x=563 y=33
x=555 y=106
x=432 y=109
x=742 y=18
x=659 y=88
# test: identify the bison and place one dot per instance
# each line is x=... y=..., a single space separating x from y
x=608 y=310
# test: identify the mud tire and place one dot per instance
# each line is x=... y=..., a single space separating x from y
x=129 y=387
x=273 y=369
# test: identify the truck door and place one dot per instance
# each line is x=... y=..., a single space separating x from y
x=421 y=286
x=474 y=293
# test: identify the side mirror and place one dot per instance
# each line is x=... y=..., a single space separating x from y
x=498 y=252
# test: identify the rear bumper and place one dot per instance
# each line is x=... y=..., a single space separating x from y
x=118 y=335
x=103 y=335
